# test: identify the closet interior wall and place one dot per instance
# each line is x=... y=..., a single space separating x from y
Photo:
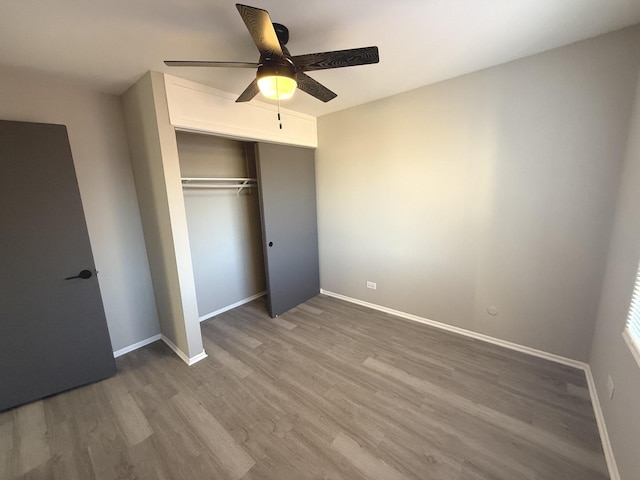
x=224 y=226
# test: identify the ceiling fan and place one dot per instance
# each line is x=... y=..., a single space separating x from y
x=279 y=73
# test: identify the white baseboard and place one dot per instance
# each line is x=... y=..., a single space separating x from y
x=135 y=346
x=195 y=359
x=170 y=344
x=184 y=357
x=232 y=306
x=461 y=331
x=602 y=428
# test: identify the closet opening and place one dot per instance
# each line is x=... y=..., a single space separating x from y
x=219 y=183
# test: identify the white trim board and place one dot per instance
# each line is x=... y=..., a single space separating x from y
x=190 y=105
x=169 y=343
x=186 y=359
x=461 y=331
x=595 y=401
x=232 y=306
x=135 y=346
x=602 y=427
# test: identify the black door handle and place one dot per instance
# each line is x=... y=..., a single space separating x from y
x=84 y=274
x=271 y=244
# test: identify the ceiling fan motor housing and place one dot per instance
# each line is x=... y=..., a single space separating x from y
x=282 y=33
x=276 y=68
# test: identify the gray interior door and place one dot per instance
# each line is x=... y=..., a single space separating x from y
x=287 y=186
x=53 y=332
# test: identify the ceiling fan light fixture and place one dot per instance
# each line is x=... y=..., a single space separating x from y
x=277 y=87
x=277 y=82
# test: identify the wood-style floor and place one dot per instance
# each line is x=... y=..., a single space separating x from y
x=329 y=390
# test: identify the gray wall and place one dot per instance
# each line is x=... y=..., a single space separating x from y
x=224 y=226
x=492 y=189
x=610 y=355
x=101 y=157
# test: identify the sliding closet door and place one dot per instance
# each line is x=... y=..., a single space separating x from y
x=286 y=180
x=53 y=331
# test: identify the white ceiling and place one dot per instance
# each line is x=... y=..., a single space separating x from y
x=108 y=44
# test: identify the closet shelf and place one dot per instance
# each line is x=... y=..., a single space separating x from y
x=219 y=182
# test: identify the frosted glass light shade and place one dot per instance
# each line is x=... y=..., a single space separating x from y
x=277 y=87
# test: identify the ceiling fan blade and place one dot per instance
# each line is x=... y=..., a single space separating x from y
x=314 y=88
x=204 y=63
x=336 y=59
x=251 y=91
x=261 y=29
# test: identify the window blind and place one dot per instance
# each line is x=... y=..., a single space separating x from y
x=632 y=331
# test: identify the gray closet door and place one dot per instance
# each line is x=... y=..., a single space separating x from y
x=53 y=332
x=287 y=186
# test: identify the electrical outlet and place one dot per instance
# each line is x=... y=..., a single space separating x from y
x=371 y=285
x=610 y=387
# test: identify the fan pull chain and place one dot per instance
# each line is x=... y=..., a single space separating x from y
x=278 y=100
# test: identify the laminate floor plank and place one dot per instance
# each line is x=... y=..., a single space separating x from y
x=229 y=361
x=31 y=446
x=369 y=464
x=237 y=335
x=512 y=425
x=7 y=457
x=328 y=390
x=130 y=419
x=233 y=459
x=281 y=322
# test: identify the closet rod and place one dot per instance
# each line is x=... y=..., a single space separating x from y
x=217 y=179
x=238 y=186
x=237 y=183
